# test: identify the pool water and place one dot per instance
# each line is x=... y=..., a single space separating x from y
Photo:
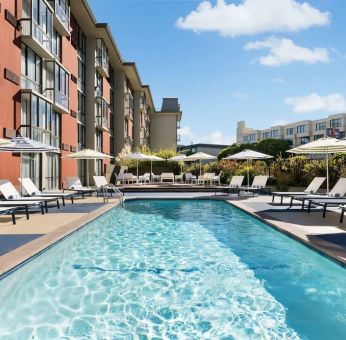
x=175 y=269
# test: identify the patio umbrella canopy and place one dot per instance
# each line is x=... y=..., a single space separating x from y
x=24 y=145
x=87 y=154
x=323 y=146
x=247 y=155
x=137 y=156
x=4 y=141
x=199 y=156
x=179 y=158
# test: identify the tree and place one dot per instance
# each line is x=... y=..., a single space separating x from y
x=270 y=146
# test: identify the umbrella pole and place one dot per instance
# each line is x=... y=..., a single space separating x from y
x=200 y=168
x=151 y=171
x=137 y=173
x=248 y=175
x=327 y=163
x=21 y=173
x=87 y=172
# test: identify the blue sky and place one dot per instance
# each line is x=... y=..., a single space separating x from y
x=262 y=61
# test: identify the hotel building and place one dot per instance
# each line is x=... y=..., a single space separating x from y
x=63 y=82
x=297 y=133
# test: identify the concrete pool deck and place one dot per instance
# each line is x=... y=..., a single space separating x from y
x=29 y=237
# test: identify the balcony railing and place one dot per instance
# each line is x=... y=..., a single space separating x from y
x=39 y=135
x=63 y=15
x=62 y=100
x=29 y=84
x=101 y=118
x=30 y=29
x=102 y=58
x=128 y=106
x=128 y=140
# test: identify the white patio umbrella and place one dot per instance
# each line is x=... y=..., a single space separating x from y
x=4 y=141
x=323 y=146
x=248 y=155
x=25 y=145
x=199 y=156
x=138 y=157
x=153 y=158
x=87 y=154
x=178 y=158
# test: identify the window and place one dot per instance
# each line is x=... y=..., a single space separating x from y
x=31 y=168
x=301 y=128
x=334 y=123
x=275 y=133
x=316 y=137
x=321 y=126
x=81 y=136
x=266 y=135
x=56 y=44
x=290 y=131
x=81 y=44
x=31 y=65
x=52 y=171
x=304 y=140
x=98 y=84
x=39 y=122
x=98 y=140
x=81 y=107
x=252 y=137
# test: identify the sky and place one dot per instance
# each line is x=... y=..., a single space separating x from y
x=263 y=61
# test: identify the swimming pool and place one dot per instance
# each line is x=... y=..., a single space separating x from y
x=175 y=269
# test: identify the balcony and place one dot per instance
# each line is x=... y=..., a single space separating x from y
x=56 y=86
x=36 y=38
x=102 y=58
x=29 y=84
x=101 y=118
x=61 y=19
x=128 y=106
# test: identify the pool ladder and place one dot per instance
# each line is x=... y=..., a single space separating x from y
x=112 y=187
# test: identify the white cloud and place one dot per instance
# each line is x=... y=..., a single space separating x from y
x=240 y=95
x=285 y=51
x=253 y=17
x=334 y=103
x=280 y=122
x=278 y=80
x=213 y=137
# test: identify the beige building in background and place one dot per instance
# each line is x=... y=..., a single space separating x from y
x=164 y=125
x=296 y=133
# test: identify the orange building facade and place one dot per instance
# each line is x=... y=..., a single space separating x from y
x=64 y=83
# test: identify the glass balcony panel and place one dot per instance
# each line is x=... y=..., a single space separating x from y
x=102 y=58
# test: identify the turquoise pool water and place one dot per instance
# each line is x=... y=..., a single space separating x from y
x=175 y=270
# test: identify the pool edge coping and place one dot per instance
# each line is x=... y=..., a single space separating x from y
x=15 y=259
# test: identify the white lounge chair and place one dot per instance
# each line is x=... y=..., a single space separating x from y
x=167 y=176
x=31 y=189
x=102 y=184
x=235 y=183
x=144 y=178
x=311 y=189
x=338 y=191
x=75 y=184
x=206 y=178
x=11 y=211
x=216 y=179
x=258 y=184
x=179 y=178
x=11 y=194
x=13 y=204
x=189 y=178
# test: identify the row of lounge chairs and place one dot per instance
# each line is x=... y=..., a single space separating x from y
x=207 y=178
x=35 y=198
x=310 y=196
